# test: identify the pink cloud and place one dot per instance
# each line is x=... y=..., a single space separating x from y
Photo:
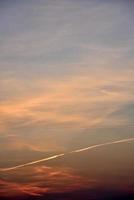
x=42 y=179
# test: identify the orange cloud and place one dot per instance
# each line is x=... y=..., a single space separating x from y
x=74 y=102
x=17 y=189
x=42 y=179
x=57 y=94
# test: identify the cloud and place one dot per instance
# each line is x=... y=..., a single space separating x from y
x=46 y=34
x=41 y=180
x=67 y=104
x=17 y=189
x=64 y=67
x=45 y=180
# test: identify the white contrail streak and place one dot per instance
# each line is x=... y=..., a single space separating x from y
x=63 y=154
x=31 y=163
x=103 y=144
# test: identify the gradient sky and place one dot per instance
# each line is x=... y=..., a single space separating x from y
x=66 y=82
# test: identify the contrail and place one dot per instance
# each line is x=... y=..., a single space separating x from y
x=63 y=154
x=103 y=144
x=31 y=163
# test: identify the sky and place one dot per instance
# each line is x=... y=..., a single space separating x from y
x=66 y=83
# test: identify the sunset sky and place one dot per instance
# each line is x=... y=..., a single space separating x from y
x=66 y=83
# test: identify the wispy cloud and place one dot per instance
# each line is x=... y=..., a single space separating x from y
x=42 y=180
x=72 y=102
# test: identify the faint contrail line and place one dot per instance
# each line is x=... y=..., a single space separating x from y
x=103 y=144
x=63 y=154
x=32 y=163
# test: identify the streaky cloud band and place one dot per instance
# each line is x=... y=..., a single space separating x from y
x=63 y=154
